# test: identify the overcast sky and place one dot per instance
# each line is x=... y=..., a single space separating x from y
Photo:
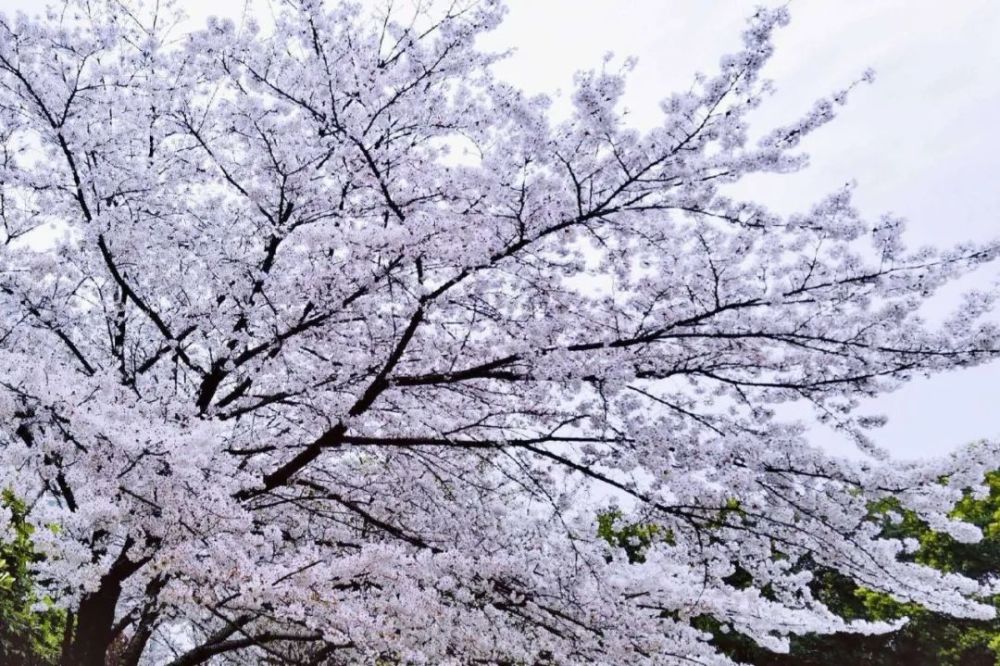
x=923 y=142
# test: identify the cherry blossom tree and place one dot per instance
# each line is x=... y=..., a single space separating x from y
x=320 y=344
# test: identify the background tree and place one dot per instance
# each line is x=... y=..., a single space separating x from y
x=927 y=638
x=30 y=629
x=337 y=338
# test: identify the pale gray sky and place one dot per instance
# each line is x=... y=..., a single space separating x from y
x=923 y=142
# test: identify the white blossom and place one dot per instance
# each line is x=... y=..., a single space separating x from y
x=292 y=377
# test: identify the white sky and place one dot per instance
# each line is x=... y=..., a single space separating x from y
x=923 y=142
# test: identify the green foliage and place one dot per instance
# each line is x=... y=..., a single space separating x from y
x=27 y=635
x=633 y=538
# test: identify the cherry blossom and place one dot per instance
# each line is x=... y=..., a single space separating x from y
x=285 y=378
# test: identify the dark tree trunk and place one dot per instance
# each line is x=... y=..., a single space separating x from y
x=95 y=621
x=95 y=617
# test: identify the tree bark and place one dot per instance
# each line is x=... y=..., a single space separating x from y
x=95 y=617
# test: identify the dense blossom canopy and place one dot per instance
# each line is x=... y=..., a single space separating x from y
x=320 y=344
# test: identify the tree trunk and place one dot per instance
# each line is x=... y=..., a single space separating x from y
x=95 y=617
x=95 y=620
